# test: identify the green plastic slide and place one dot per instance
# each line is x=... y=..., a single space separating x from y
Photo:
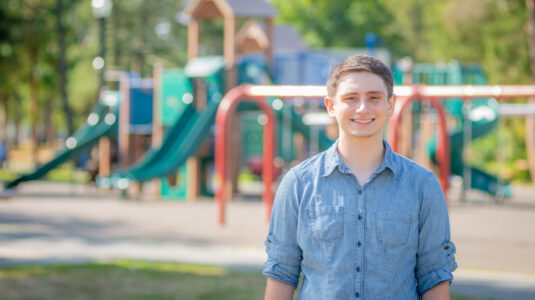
x=482 y=118
x=181 y=141
x=101 y=122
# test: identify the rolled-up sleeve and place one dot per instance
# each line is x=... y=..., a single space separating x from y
x=436 y=252
x=284 y=254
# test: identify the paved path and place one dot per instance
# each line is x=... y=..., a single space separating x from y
x=64 y=223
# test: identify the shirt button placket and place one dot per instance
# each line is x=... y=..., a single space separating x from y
x=360 y=226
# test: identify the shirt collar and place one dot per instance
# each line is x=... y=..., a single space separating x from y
x=333 y=160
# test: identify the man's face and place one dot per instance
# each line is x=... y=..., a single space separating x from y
x=360 y=106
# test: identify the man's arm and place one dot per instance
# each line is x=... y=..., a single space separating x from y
x=278 y=290
x=438 y=292
x=436 y=253
x=284 y=254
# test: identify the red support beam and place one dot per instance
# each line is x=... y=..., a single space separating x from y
x=443 y=152
x=227 y=108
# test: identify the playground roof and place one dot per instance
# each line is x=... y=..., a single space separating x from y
x=287 y=38
x=252 y=37
x=211 y=9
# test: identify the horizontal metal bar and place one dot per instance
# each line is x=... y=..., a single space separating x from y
x=511 y=110
x=430 y=91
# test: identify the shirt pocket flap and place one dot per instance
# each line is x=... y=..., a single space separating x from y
x=393 y=227
x=326 y=222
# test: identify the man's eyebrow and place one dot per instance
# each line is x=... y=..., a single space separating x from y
x=349 y=94
x=376 y=92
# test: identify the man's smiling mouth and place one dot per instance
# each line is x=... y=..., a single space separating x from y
x=362 y=121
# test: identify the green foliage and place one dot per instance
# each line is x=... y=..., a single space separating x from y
x=503 y=151
x=489 y=32
x=339 y=24
x=28 y=47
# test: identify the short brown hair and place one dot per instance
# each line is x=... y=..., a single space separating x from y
x=359 y=63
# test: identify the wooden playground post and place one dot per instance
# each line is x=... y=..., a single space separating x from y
x=193 y=165
x=124 y=122
x=229 y=51
x=193 y=38
x=157 y=127
x=405 y=143
x=269 y=49
x=104 y=159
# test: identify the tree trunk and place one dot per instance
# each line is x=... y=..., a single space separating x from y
x=62 y=68
x=34 y=104
x=3 y=118
x=17 y=119
x=50 y=130
x=530 y=120
x=117 y=47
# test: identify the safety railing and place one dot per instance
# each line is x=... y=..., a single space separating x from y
x=404 y=96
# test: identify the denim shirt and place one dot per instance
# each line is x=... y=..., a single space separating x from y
x=388 y=239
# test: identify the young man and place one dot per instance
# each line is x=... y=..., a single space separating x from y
x=358 y=220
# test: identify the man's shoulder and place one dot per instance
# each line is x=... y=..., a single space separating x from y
x=311 y=166
x=407 y=167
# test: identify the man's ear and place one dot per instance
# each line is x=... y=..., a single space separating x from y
x=329 y=104
x=391 y=105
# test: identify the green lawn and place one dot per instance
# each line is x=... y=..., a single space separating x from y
x=127 y=279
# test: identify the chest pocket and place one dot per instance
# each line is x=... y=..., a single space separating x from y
x=392 y=228
x=326 y=222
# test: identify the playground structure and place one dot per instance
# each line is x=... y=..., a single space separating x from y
x=404 y=96
x=101 y=122
x=175 y=112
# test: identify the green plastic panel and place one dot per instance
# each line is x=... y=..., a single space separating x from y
x=175 y=192
x=176 y=92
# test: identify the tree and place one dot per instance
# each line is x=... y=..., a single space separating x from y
x=62 y=68
x=339 y=24
x=530 y=121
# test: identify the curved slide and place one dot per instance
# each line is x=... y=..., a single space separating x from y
x=101 y=122
x=483 y=117
x=181 y=141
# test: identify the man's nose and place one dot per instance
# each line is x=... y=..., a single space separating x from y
x=362 y=105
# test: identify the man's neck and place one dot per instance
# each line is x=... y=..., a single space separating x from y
x=362 y=155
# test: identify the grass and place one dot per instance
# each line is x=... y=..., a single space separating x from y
x=131 y=279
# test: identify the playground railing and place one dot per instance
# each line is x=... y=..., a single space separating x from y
x=404 y=95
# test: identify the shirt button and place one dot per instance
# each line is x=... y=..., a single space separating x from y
x=359 y=244
x=357 y=294
x=360 y=192
x=358 y=269
x=359 y=217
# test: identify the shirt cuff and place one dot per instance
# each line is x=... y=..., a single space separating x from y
x=284 y=261
x=436 y=267
x=275 y=270
x=433 y=279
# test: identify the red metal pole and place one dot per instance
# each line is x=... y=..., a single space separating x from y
x=268 y=156
x=443 y=152
x=227 y=108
